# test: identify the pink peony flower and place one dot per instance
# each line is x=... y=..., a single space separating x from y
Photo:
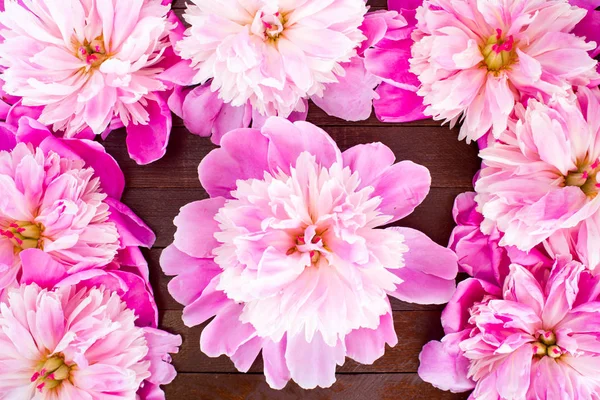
x=475 y=59
x=93 y=71
x=285 y=253
x=541 y=175
x=589 y=27
x=79 y=343
x=271 y=53
x=60 y=208
x=535 y=339
x=481 y=255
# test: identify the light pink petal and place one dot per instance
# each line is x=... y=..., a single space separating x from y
x=513 y=374
x=443 y=365
x=561 y=290
x=226 y=333
x=367 y=345
x=246 y=354
x=50 y=322
x=369 y=160
x=196 y=226
x=522 y=287
x=192 y=274
x=148 y=143
x=160 y=345
x=313 y=363
x=276 y=370
x=209 y=304
x=243 y=155
x=200 y=109
x=288 y=140
x=351 y=98
x=402 y=188
x=229 y=119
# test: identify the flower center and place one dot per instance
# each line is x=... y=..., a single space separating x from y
x=268 y=25
x=51 y=373
x=546 y=346
x=585 y=179
x=24 y=235
x=312 y=243
x=499 y=52
x=93 y=53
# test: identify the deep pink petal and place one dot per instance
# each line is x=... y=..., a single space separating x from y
x=148 y=143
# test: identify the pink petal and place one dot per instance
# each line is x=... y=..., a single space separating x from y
x=313 y=363
x=398 y=105
x=132 y=230
x=561 y=290
x=243 y=155
x=367 y=345
x=192 y=274
x=288 y=140
x=369 y=160
x=200 y=109
x=196 y=226
x=443 y=365
x=226 y=333
x=148 y=143
x=351 y=98
x=402 y=187
x=40 y=268
x=276 y=370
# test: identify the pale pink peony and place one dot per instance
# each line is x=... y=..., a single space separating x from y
x=537 y=338
x=272 y=53
x=476 y=59
x=541 y=176
x=92 y=68
x=60 y=207
x=79 y=343
x=285 y=253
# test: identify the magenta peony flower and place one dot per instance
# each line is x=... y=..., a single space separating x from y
x=100 y=63
x=481 y=255
x=541 y=175
x=60 y=207
x=589 y=27
x=79 y=343
x=285 y=253
x=475 y=59
x=535 y=339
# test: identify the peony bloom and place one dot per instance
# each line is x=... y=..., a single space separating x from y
x=589 y=27
x=285 y=253
x=268 y=57
x=60 y=207
x=101 y=63
x=79 y=343
x=541 y=175
x=537 y=338
x=476 y=59
x=481 y=255
x=268 y=52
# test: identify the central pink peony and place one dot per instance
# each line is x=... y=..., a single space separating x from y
x=286 y=252
x=79 y=343
x=536 y=338
x=86 y=63
x=271 y=53
x=542 y=174
x=475 y=58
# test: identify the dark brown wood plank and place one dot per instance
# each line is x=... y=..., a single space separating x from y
x=451 y=163
x=347 y=387
x=414 y=329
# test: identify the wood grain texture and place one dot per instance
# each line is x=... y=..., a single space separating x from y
x=156 y=193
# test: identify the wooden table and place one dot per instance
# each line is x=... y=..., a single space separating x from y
x=156 y=193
